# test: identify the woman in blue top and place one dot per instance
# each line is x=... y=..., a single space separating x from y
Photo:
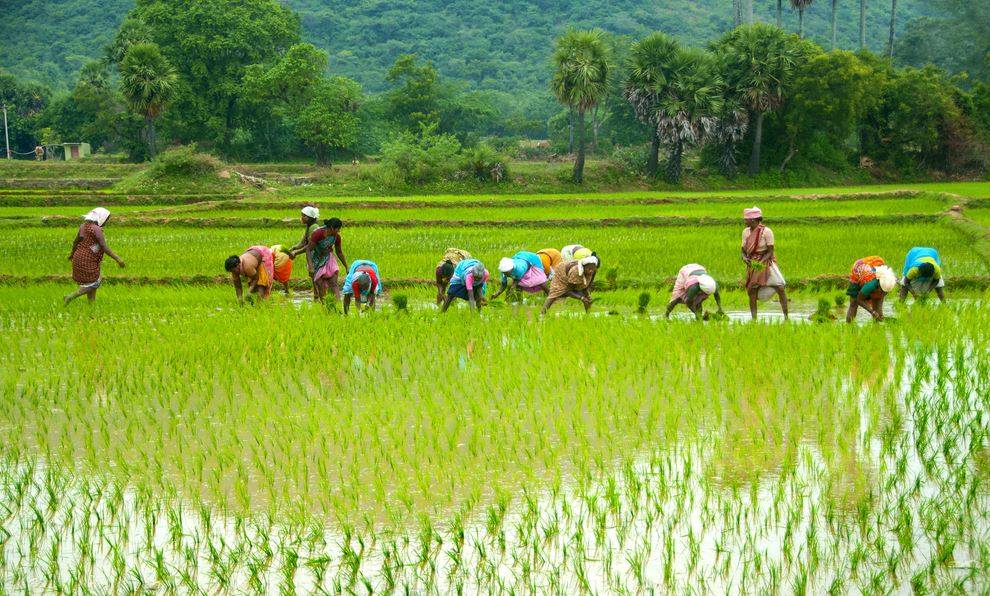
x=922 y=272
x=525 y=269
x=467 y=283
x=363 y=283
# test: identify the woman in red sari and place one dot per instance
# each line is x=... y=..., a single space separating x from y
x=87 y=254
x=763 y=276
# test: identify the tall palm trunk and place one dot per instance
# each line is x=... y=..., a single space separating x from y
x=862 y=24
x=152 y=141
x=754 y=156
x=674 y=163
x=736 y=13
x=654 y=157
x=893 y=27
x=801 y=23
x=570 y=131
x=835 y=13
x=749 y=12
x=780 y=13
x=579 y=161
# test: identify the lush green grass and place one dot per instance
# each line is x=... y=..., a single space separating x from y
x=980 y=216
x=726 y=209
x=641 y=254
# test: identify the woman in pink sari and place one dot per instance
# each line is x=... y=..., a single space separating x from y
x=763 y=276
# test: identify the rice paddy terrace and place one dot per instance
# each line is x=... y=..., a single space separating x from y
x=167 y=440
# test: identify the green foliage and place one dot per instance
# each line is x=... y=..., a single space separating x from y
x=401 y=302
x=211 y=67
x=25 y=102
x=484 y=163
x=148 y=83
x=330 y=122
x=582 y=74
x=956 y=37
x=416 y=159
x=184 y=160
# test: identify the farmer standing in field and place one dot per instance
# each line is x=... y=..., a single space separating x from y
x=572 y=280
x=691 y=288
x=525 y=269
x=922 y=273
x=87 y=253
x=257 y=264
x=323 y=243
x=362 y=283
x=869 y=282
x=445 y=269
x=468 y=282
x=310 y=217
x=763 y=276
x=282 y=261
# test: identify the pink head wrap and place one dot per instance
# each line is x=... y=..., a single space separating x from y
x=752 y=213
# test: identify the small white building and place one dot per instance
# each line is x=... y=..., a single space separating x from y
x=75 y=150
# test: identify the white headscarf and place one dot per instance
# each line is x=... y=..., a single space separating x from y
x=886 y=277
x=506 y=265
x=592 y=260
x=98 y=216
x=707 y=284
x=311 y=212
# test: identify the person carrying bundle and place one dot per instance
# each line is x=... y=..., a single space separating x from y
x=922 y=273
x=550 y=257
x=763 y=276
x=363 y=284
x=323 y=243
x=869 y=282
x=572 y=280
x=310 y=217
x=691 y=288
x=445 y=269
x=525 y=269
x=468 y=282
x=282 y=261
x=257 y=264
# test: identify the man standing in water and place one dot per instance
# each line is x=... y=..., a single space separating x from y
x=257 y=264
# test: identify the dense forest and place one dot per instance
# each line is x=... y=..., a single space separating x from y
x=237 y=78
x=498 y=46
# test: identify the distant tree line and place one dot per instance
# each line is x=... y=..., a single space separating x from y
x=758 y=98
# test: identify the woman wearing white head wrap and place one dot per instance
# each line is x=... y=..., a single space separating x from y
x=87 y=254
x=572 y=279
x=869 y=282
x=524 y=270
x=310 y=218
x=691 y=288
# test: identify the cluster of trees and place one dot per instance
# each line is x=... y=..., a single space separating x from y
x=770 y=98
x=757 y=95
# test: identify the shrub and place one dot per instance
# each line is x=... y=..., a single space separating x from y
x=484 y=163
x=418 y=159
x=183 y=161
x=631 y=159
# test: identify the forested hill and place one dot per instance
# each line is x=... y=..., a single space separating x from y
x=501 y=45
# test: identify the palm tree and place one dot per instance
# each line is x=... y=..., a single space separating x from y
x=581 y=79
x=801 y=5
x=731 y=123
x=780 y=13
x=687 y=110
x=757 y=61
x=835 y=15
x=650 y=61
x=148 y=82
x=862 y=24
x=893 y=23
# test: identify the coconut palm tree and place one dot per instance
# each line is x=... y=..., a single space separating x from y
x=756 y=62
x=650 y=62
x=801 y=5
x=148 y=83
x=687 y=111
x=581 y=79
